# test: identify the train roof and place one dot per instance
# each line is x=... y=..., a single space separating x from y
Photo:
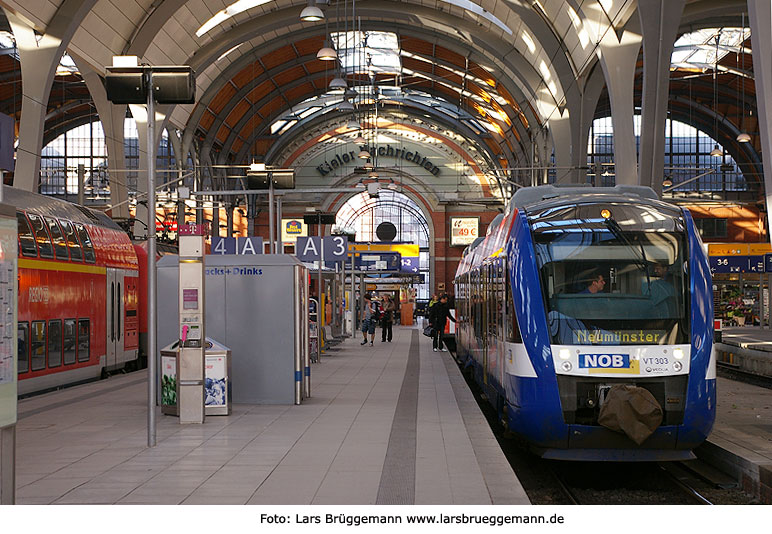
x=528 y=196
x=53 y=207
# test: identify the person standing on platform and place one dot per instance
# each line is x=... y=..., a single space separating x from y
x=368 y=320
x=438 y=317
x=434 y=300
x=388 y=318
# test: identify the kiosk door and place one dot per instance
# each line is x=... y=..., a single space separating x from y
x=115 y=313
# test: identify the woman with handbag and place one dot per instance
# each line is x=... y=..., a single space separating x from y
x=438 y=317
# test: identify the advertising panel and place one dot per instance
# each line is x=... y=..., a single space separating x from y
x=464 y=230
x=291 y=229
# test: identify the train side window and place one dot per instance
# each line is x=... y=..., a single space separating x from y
x=513 y=329
x=41 y=236
x=60 y=245
x=72 y=241
x=69 y=341
x=38 y=345
x=26 y=239
x=54 y=343
x=83 y=340
x=22 y=336
x=88 y=248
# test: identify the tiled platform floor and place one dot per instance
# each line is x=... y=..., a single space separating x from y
x=88 y=444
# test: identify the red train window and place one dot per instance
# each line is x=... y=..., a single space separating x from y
x=72 y=241
x=38 y=345
x=88 y=249
x=84 y=340
x=54 y=343
x=22 y=335
x=26 y=239
x=69 y=341
x=60 y=245
x=41 y=236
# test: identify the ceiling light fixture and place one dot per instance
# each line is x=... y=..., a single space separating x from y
x=338 y=83
x=743 y=136
x=311 y=13
x=326 y=53
x=345 y=106
x=364 y=154
x=716 y=152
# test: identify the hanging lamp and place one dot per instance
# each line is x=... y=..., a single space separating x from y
x=311 y=13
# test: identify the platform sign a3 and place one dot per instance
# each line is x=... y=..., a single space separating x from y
x=308 y=249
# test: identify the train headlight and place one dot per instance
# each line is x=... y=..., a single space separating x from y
x=564 y=354
x=677 y=366
x=566 y=366
x=678 y=354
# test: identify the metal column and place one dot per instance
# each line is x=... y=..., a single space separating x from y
x=8 y=465
x=352 y=300
x=152 y=360
x=319 y=293
x=271 y=217
x=279 y=243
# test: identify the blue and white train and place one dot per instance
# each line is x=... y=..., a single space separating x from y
x=546 y=346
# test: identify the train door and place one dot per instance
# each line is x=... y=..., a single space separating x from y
x=114 y=313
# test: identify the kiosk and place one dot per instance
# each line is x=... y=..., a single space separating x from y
x=258 y=306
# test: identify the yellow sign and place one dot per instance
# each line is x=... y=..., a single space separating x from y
x=739 y=249
x=759 y=249
x=291 y=229
x=634 y=369
x=728 y=249
x=407 y=251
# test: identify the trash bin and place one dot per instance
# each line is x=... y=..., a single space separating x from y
x=217 y=385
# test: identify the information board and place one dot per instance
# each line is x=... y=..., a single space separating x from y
x=464 y=230
x=8 y=307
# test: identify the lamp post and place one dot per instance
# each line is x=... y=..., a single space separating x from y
x=128 y=82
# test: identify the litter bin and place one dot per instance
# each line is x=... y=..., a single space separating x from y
x=217 y=385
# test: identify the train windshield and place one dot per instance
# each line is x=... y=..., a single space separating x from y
x=613 y=274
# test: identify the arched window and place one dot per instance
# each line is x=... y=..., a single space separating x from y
x=687 y=155
x=85 y=145
x=363 y=215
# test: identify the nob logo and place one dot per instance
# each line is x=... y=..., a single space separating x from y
x=613 y=361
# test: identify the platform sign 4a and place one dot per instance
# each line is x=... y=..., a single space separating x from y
x=237 y=245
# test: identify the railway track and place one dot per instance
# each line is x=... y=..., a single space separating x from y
x=730 y=371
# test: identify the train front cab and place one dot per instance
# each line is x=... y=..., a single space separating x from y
x=581 y=344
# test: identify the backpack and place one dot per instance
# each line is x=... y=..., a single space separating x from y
x=377 y=311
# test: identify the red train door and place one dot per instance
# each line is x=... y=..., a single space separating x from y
x=115 y=303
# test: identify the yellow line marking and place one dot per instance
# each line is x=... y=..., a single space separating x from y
x=57 y=266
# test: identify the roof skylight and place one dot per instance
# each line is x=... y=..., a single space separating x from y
x=697 y=50
x=369 y=51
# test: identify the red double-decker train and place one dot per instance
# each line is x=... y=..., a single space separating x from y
x=78 y=293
